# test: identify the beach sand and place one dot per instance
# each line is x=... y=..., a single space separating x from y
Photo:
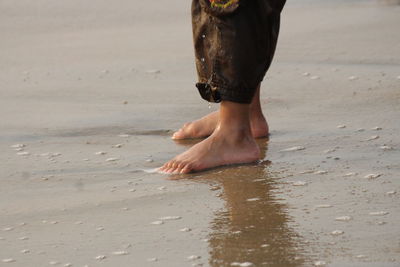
x=90 y=93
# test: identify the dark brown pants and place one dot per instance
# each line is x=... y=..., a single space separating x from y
x=234 y=45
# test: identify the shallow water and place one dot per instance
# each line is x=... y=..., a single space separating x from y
x=257 y=231
x=75 y=81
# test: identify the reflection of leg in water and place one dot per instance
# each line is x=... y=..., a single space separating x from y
x=254 y=228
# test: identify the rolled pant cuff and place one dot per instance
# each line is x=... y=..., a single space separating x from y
x=218 y=94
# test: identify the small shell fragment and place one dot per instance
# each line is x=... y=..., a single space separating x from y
x=319 y=263
x=101 y=257
x=352 y=78
x=350 y=174
x=120 y=253
x=329 y=151
x=379 y=213
x=242 y=264
x=343 y=218
x=18 y=146
x=299 y=183
x=23 y=153
x=100 y=153
x=8 y=260
x=186 y=229
x=372 y=176
x=155 y=71
x=157 y=222
x=321 y=172
x=111 y=159
x=253 y=199
x=306 y=172
x=341 y=126
x=295 y=148
x=170 y=218
x=193 y=257
x=374 y=137
x=377 y=128
x=337 y=232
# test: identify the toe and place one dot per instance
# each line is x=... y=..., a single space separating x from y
x=162 y=168
x=187 y=169
x=178 y=135
x=166 y=166
x=179 y=166
x=166 y=170
x=184 y=132
x=173 y=167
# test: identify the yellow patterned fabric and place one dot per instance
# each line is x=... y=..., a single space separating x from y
x=223 y=3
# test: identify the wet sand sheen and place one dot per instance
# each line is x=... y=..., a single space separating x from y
x=88 y=99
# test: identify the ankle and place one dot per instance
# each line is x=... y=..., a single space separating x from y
x=234 y=134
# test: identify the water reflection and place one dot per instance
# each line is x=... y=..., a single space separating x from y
x=254 y=226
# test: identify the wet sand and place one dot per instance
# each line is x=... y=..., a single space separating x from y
x=90 y=95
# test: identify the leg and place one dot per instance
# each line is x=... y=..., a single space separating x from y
x=230 y=143
x=206 y=125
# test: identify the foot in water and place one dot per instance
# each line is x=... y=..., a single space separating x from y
x=206 y=125
x=230 y=143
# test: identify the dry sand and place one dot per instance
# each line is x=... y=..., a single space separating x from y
x=79 y=78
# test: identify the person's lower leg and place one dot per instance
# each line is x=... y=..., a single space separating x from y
x=230 y=143
x=206 y=125
x=259 y=125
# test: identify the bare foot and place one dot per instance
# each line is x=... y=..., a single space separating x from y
x=221 y=148
x=200 y=128
x=206 y=125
